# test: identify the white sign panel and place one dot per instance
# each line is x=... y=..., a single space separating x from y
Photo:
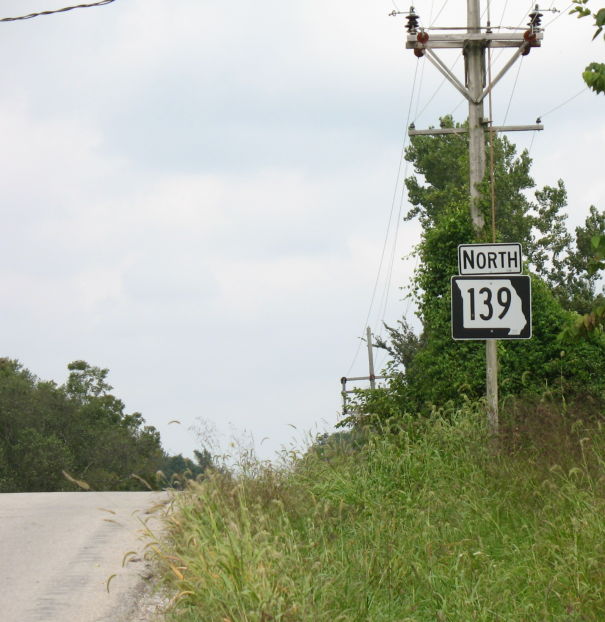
x=489 y=259
x=491 y=307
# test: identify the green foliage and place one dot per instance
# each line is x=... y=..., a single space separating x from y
x=582 y=10
x=591 y=325
x=432 y=369
x=594 y=74
x=423 y=523
x=79 y=428
x=177 y=470
x=597 y=243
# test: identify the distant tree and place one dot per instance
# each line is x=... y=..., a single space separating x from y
x=176 y=470
x=80 y=428
x=590 y=325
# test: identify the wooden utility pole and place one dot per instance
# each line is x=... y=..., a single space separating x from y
x=371 y=358
x=474 y=60
x=372 y=377
x=474 y=43
x=475 y=69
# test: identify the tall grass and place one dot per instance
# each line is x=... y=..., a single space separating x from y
x=424 y=521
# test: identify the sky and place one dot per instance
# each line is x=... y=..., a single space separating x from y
x=202 y=196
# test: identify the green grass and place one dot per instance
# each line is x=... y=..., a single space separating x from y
x=426 y=522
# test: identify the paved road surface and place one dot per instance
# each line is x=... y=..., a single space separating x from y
x=57 y=551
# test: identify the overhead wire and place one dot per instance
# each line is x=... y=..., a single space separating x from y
x=385 y=296
x=512 y=93
x=561 y=13
x=419 y=90
x=388 y=281
x=387 y=234
x=513 y=90
x=389 y=278
x=432 y=22
x=53 y=11
x=502 y=15
x=395 y=193
x=567 y=101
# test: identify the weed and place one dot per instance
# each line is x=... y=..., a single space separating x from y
x=419 y=521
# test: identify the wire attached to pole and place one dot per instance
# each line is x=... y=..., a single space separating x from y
x=53 y=11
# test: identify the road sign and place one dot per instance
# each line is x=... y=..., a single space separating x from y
x=489 y=258
x=491 y=307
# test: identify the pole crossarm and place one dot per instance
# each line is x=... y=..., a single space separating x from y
x=463 y=130
x=458 y=40
x=424 y=44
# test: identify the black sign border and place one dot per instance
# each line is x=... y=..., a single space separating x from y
x=522 y=285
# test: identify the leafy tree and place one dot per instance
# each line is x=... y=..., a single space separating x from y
x=80 y=428
x=432 y=369
x=591 y=325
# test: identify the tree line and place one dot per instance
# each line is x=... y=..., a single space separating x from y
x=79 y=435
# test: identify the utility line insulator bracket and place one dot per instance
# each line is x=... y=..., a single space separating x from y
x=462 y=130
x=458 y=40
x=423 y=43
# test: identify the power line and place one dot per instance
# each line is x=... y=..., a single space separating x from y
x=53 y=11
x=438 y=13
x=503 y=12
x=565 y=102
x=390 y=220
x=387 y=286
x=432 y=97
x=512 y=93
x=561 y=13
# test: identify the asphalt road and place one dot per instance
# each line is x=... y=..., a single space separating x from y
x=58 y=550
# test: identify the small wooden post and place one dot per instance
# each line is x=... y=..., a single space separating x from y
x=371 y=358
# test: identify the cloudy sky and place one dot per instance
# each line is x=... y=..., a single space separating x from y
x=196 y=194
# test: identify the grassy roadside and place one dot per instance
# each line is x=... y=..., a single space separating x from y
x=423 y=523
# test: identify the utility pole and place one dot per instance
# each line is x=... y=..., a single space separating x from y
x=474 y=53
x=372 y=377
x=474 y=43
x=371 y=358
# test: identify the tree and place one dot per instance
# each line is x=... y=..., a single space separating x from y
x=590 y=325
x=79 y=428
x=176 y=470
x=430 y=368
